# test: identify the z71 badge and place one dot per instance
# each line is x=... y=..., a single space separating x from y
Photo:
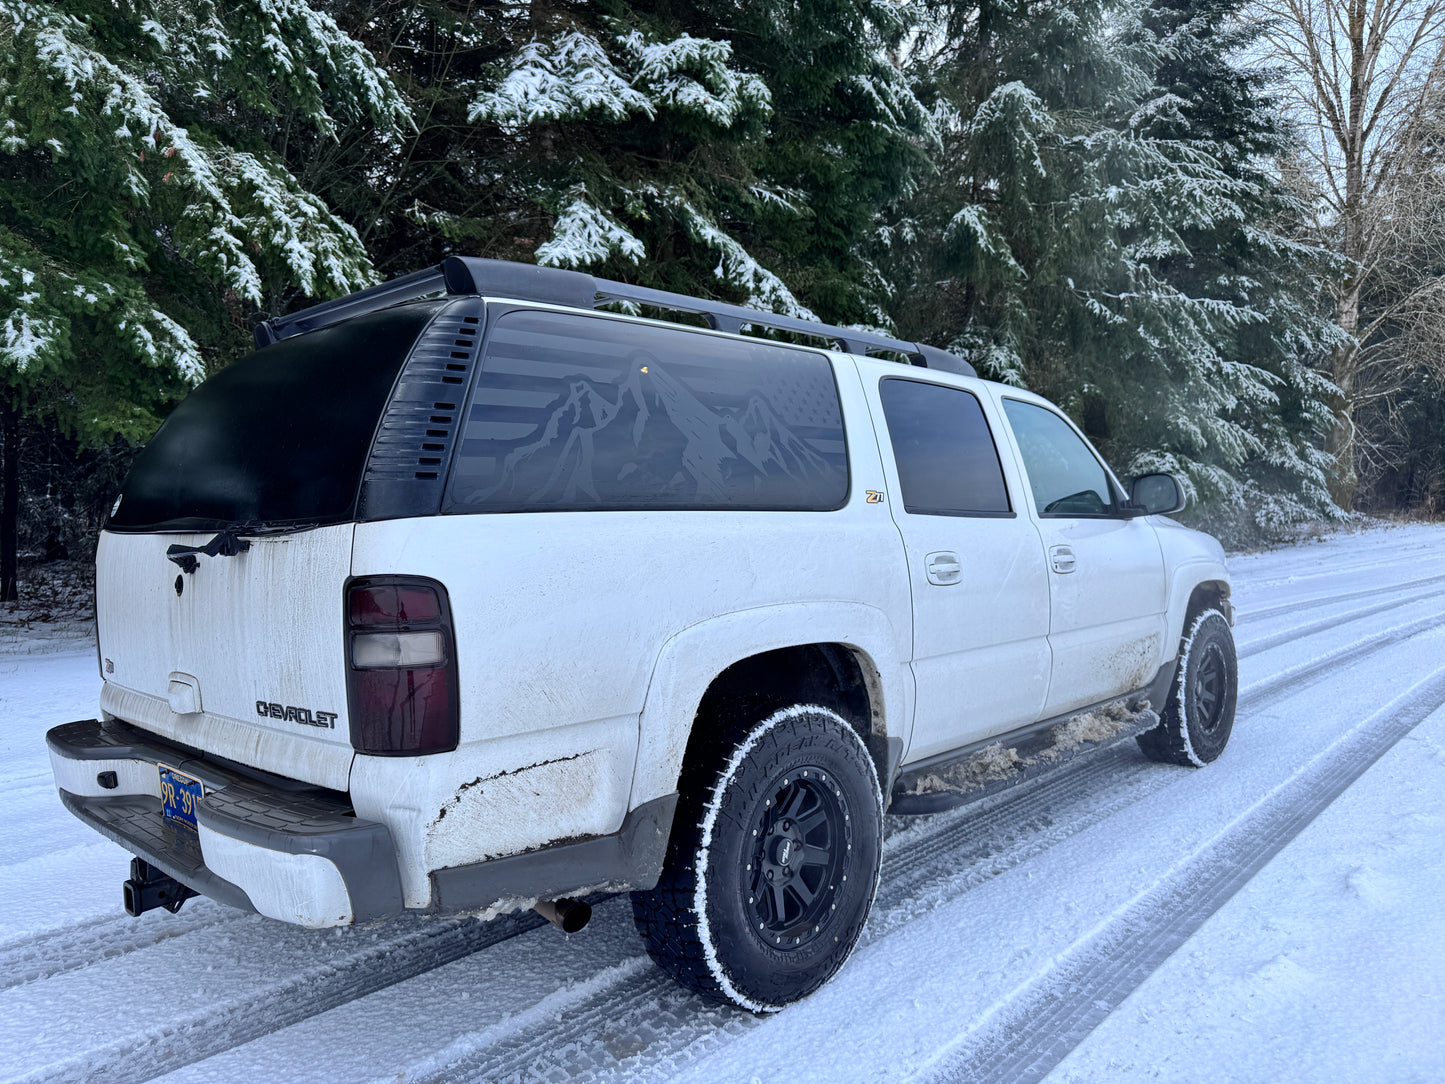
x=288 y=714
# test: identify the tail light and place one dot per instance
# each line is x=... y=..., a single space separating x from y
x=401 y=685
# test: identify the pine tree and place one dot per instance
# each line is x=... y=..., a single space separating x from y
x=635 y=136
x=447 y=185
x=699 y=147
x=1109 y=240
x=848 y=140
x=1261 y=469
x=146 y=207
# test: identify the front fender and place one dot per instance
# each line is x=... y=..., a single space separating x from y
x=690 y=660
x=1183 y=581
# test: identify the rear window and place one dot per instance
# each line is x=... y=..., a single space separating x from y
x=278 y=438
x=572 y=413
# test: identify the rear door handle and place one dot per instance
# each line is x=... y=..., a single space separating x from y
x=944 y=568
x=1061 y=559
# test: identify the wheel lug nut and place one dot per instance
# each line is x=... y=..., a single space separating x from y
x=770 y=875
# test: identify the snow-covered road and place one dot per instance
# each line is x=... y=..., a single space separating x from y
x=1272 y=917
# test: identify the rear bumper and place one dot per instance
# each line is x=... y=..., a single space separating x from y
x=287 y=850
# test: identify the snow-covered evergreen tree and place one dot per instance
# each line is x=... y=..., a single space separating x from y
x=1260 y=468
x=848 y=138
x=744 y=150
x=1109 y=238
x=143 y=207
x=147 y=211
x=634 y=134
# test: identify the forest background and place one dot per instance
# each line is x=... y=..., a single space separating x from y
x=1213 y=232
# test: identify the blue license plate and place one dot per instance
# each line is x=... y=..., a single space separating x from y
x=180 y=794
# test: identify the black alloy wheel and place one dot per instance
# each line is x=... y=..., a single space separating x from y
x=803 y=837
x=1210 y=680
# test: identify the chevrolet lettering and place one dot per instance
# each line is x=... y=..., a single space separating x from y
x=287 y=713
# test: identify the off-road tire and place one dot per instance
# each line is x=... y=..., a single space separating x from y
x=795 y=796
x=1195 y=724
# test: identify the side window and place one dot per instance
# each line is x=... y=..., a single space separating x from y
x=573 y=413
x=1065 y=476
x=947 y=462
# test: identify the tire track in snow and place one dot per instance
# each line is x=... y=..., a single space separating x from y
x=1008 y=831
x=1048 y=1017
x=1246 y=617
x=909 y=877
x=1248 y=648
x=45 y=955
x=1340 y=570
x=212 y=1028
x=1269 y=687
x=935 y=861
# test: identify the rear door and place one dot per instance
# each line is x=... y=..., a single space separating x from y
x=975 y=566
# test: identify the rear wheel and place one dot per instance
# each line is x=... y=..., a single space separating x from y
x=1196 y=722
x=773 y=862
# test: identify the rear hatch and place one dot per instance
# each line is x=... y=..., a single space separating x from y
x=238 y=648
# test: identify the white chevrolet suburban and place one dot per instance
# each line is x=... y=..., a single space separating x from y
x=469 y=592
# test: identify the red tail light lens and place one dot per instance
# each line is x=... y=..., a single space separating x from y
x=402 y=675
x=393 y=604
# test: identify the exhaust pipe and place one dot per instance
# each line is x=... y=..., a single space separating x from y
x=569 y=916
x=149 y=888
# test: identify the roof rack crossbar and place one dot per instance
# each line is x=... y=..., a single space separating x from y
x=500 y=278
x=719 y=315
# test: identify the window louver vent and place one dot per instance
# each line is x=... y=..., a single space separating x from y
x=406 y=470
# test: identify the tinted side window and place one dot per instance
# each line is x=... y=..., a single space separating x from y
x=573 y=413
x=947 y=462
x=1066 y=478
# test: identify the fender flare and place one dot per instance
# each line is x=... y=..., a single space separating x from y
x=1183 y=582
x=689 y=662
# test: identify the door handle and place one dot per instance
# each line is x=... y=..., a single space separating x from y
x=1061 y=559
x=944 y=568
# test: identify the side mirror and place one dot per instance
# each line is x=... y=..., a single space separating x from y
x=1156 y=494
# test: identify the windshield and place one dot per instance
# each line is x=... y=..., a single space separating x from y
x=280 y=438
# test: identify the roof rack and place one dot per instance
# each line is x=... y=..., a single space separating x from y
x=468 y=275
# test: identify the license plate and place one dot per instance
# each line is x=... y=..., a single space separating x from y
x=180 y=794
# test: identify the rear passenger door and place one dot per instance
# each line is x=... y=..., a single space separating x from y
x=1106 y=571
x=975 y=566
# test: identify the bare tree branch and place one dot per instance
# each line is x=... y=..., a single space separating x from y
x=1365 y=88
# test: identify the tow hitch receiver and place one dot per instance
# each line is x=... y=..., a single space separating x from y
x=149 y=888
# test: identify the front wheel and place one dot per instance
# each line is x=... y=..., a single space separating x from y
x=772 y=865
x=1196 y=722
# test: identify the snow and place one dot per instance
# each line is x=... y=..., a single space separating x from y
x=570 y=78
x=23 y=340
x=720 y=94
x=584 y=235
x=1327 y=966
x=1328 y=963
x=575 y=77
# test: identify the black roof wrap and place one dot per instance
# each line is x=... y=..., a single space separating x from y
x=280 y=438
